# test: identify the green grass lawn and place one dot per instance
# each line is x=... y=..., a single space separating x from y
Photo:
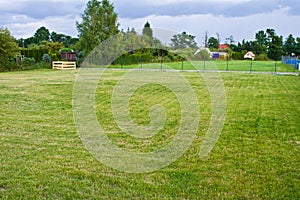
x=256 y=157
x=232 y=65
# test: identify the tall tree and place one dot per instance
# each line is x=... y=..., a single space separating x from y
x=298 y=46
x=275 y=44
x=290 y=46
x=8 y=46
x=183 y=40
x=62 y=38
x=261 y=38
x=99 y=22
x=213 y=43
x=229 y=40
x=42 y=34
x=205 y=38
x=147 y=31
x=218 y=37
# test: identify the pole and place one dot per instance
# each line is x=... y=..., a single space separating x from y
x=227 y=63
x=122 y=62
x=276 y=66
x=181 y=65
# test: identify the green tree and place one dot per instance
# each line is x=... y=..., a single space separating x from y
x=213 y=43
x=99 y=22
x=290 y=46
x=42 y=34
x=147 y=31
x=28 y=41
x=8 y=47
x=298 y=46
x=275 y=50
x=261 y=38
x=230 y=41
x=62 y=38
x=183 y=40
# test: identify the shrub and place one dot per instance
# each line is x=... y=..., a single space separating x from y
x=237 y=56
x=66 y=50
x=46 y=58
x=262 y=57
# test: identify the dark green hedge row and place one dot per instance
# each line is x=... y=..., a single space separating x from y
x=36 y=54
x=146 y=56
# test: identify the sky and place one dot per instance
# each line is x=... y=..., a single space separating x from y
x=238 y=18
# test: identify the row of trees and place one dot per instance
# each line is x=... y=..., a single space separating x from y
x=43 y=35
x=100 y=22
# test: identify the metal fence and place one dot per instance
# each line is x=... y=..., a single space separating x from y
x=219 y=65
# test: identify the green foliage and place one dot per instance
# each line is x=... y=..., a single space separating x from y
x=99 y=22
x=66 y=50
x=8 y=47
x=66 y=40
x=213 y=43
x=54 y=46
x=42 y=34
x=261 y=38
x=202 y=55
x=37 y=54
x=183 y=40
x=290 y=46
x=46 y=58
x=147 y=31
x=55 y=56
x=262 y=57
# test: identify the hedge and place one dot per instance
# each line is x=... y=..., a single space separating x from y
x=37 y=54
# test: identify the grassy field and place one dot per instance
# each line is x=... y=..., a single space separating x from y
x=232 y=65
x=256 y=157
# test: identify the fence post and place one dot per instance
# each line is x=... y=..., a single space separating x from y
x=227 y=63
x=122 y=62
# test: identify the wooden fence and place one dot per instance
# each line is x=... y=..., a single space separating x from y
x=63 y=65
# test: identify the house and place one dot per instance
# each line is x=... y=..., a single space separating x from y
x=249 y=55
x=213 y=55
x=223 y=47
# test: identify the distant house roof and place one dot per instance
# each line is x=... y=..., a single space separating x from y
x=224 y=46
x=249 y=55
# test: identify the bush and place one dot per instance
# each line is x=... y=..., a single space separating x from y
x=42 y=65
x=7 y=65
x=237 y=56
x=46 y=58
x=262 y=57
x=66 y=50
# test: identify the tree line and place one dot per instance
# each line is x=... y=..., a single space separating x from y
x=100 y=22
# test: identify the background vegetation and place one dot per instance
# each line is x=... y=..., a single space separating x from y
x=100 y=22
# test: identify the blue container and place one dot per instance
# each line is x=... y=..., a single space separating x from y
x=215 y=55
x=291 y=62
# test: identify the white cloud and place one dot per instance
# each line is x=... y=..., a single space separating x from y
x=24 y=22
x=239 y=27
x=166 y=2
x=65 y=24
